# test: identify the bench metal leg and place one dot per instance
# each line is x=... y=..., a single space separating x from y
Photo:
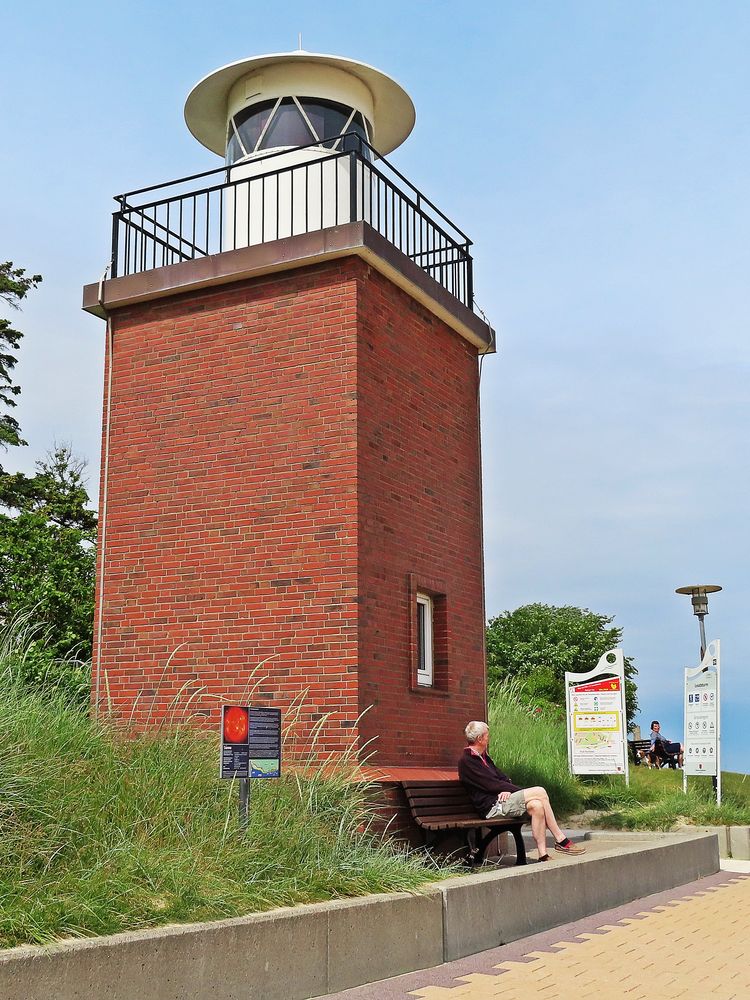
x=485 y=842
x=520 y=846
x=430 y=839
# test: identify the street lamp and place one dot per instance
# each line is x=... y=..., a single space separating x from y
x=699 y=596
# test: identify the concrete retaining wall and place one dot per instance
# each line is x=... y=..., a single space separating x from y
x=542 y=898
x=308 y=951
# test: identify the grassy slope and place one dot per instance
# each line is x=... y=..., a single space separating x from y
x=100 y=834
x=655 y=800
x=532 y=747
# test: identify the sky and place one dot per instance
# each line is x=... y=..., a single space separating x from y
x=597 y=154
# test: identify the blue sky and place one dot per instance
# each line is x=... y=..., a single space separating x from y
x=596 y=152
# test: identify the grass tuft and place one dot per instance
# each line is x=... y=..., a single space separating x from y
x=655 y=801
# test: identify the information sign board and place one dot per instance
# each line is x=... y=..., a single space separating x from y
x=702 y=715
x=597 y=731
x=265 y=742
x=235 y=755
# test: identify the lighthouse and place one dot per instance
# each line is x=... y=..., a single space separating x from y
x=291 y=487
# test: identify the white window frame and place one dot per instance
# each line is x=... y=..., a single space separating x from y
x=426 y=674
x=265 y=128
x=238 y=137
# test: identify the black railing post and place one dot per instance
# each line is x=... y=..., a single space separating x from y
x=115 y=243
x=352 y=186
x=469 y=278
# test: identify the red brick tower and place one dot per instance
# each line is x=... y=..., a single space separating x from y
x=291 y=455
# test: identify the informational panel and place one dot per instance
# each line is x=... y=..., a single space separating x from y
x=250 y=742
x=265 y=742
x=702 y=714
x=597 y=725
x=234 y=757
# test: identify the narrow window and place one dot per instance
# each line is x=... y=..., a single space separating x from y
x=425 y=627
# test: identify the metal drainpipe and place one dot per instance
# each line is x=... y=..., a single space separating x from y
x=105 y=486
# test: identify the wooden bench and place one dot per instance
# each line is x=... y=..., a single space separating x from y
x=442 y=807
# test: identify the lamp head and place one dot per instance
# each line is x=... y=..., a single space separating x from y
x=699 y=596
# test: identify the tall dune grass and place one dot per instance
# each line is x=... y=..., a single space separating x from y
x=530 y=745
x=103 y=831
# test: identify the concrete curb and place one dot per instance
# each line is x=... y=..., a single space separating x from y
x=299 y=952
x=734 y=841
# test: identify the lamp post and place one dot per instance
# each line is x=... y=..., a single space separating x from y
x=699 y=598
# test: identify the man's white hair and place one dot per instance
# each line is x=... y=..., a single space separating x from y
x=475 y=730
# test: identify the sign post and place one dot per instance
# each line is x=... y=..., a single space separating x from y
x=597 y=722
x=250 y=748
x=703 y=719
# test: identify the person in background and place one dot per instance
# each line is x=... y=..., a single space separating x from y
x=662 y=747
x=494 y=794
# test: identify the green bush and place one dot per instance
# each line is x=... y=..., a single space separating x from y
x=537 y=643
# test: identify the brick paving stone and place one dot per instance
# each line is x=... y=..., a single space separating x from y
x=686 y=948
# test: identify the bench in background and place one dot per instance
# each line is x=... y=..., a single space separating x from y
x=642 y=754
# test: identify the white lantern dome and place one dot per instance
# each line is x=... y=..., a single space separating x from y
x=292 y=99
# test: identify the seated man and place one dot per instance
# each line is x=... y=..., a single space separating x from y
x=494 y=794
x=663 y=748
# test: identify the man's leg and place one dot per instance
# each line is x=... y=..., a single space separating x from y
x=535 y=809
x=538 y=794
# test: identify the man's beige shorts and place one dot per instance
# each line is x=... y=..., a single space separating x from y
x=512 y=808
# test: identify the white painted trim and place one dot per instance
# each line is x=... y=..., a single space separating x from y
x=343 y=131
x=238 y=137
x=426 y=677
x=262 y=135
x=313 y=131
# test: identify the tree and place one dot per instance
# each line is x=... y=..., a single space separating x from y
x=47 y=538
x=537 y=643
x=47 y=561
x=14 y=286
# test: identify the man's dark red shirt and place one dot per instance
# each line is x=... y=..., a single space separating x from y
x=483 y=780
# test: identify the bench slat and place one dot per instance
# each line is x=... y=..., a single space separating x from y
x=449 y=791
x=449 y=794
x=439 y=800
x=445 y=822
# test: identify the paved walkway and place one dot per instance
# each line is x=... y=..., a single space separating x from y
x=690 y=942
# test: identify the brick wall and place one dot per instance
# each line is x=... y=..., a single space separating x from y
x=290 y=458
x=232 y=501
x=420 y=527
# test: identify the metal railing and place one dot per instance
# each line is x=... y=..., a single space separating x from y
x=268 y=198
